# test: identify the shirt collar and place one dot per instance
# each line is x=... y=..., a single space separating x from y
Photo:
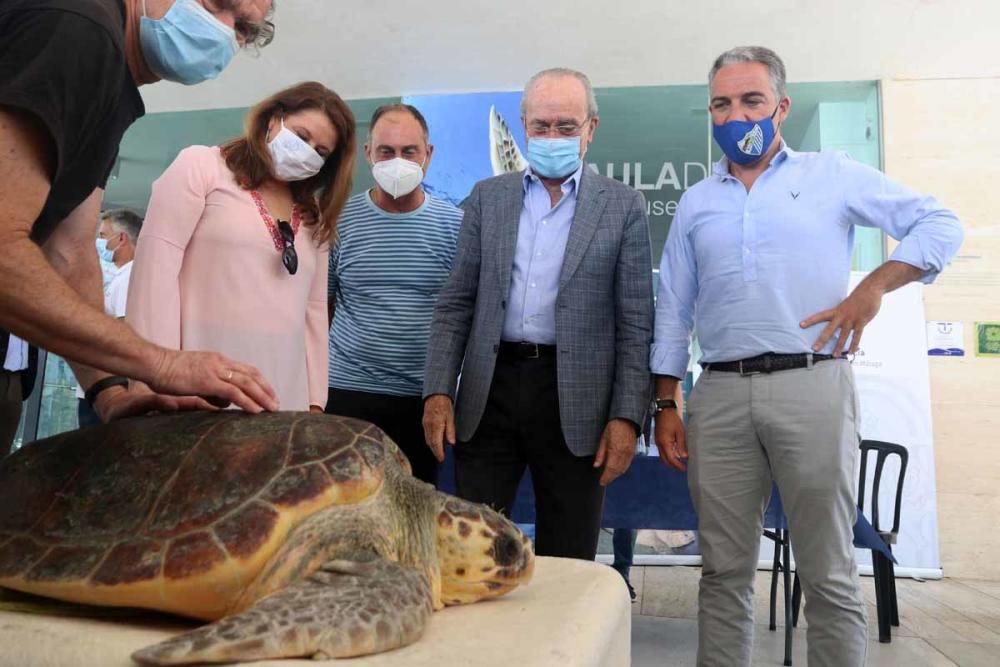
x=721 y=168
x=569 y=185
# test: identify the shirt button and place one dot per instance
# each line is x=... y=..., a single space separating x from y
x=746 y=251
x=532 y=284
x=545 y=222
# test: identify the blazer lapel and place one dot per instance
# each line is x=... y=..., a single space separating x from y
x=509 y=220
x=589 y=207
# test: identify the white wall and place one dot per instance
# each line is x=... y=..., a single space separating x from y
x=372 y=48
x=957 y=162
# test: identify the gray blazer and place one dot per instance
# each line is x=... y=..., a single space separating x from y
x=604 y=308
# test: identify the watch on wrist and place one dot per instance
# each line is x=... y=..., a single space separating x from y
x=660 y=404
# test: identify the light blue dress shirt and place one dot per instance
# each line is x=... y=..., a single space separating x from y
x=744 y=268
x=542 y=233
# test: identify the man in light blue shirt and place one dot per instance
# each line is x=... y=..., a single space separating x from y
x=757 y=263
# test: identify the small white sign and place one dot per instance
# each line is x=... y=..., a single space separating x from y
x=945 y=339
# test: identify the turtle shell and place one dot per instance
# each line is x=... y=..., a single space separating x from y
x=177 y=512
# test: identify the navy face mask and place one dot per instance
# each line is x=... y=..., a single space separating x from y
x=744 y=141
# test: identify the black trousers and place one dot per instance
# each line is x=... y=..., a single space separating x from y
x=401 y=417
x=10 y=408
x=521 y=427
x=85 y=414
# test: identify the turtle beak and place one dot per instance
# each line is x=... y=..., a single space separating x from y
x=515 y=559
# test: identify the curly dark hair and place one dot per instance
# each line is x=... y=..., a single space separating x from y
x=255 y=35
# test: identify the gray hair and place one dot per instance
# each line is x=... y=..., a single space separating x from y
x=124 y=220
x=560 y=72
x=754 y=54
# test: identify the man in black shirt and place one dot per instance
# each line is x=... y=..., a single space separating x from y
x=69 y=77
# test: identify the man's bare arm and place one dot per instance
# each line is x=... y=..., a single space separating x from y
x=37 y=305
x=35 y=302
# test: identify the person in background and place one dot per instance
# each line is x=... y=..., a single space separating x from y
x=117 y=236
x=233 y=254
x=394 y=249
x=757 y=261
x=69 y=77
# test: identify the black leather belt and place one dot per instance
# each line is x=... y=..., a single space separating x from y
x=526 y=350
x=768 y=363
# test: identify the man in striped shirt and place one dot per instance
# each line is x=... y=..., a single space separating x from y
x=394 y=249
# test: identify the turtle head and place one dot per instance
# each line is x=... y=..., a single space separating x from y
x=482 y=554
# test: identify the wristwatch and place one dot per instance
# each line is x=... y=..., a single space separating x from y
x=660 y=404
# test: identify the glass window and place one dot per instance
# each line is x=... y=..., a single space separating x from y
x=58 y=411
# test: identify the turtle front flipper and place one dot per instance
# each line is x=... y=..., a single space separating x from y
x=345 y=609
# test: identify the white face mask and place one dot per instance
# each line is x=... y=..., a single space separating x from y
x=398 y=176
x=292 y=158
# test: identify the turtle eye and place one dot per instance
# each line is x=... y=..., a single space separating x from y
x=505 y=549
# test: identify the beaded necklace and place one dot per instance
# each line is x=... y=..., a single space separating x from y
x=269 y=221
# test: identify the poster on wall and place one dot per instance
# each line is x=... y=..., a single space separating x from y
x=648 y=138
x=945 y=339
x=988 y=339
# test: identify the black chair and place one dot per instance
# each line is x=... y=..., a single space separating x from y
x=886 y=604
x=884 y=569
x=782 y=560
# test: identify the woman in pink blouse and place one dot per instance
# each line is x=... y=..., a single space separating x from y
x=232 y=256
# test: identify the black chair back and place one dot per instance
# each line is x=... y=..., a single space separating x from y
x=884 y=450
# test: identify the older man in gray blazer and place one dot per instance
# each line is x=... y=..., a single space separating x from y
x=547 y=314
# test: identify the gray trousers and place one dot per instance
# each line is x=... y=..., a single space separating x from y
x=799 y=428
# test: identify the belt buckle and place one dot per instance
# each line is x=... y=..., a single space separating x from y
x=530 y=350
x=744 y=373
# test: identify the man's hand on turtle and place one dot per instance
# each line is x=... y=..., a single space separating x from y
x=616 y=449
x=119 y=403
x=439 y=424
x=215 y=378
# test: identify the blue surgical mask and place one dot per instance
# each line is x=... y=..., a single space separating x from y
x=103 y=251
x=744 y=141
x=188 y=45
x=554 y=158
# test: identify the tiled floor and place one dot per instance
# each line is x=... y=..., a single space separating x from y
x=942 y=623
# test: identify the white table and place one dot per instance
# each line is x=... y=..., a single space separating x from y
x=572 y=613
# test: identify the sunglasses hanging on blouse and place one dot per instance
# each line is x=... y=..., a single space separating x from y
x=288 y=255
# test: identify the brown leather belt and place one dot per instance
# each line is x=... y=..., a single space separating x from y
x=768 y=363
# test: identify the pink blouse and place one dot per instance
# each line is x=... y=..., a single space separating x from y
x=207 y=276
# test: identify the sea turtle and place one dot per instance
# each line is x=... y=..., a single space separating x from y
x=297 y=534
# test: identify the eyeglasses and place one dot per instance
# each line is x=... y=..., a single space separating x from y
x=565 y=129
x=289 y=257
x=255 y=33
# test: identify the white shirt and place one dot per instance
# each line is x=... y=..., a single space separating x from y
x=17 y=355
x=116 y=293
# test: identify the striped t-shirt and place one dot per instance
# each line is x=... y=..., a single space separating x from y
x=386 y=270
